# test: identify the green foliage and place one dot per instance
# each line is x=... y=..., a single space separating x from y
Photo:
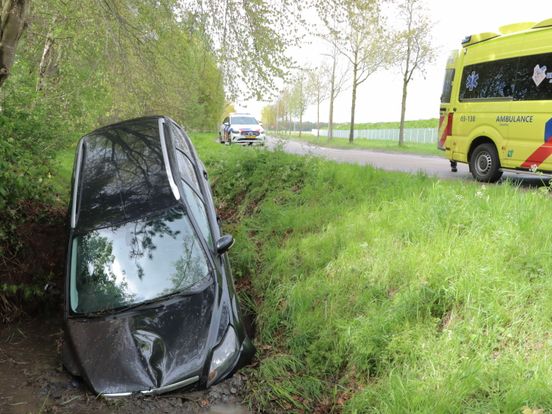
x=29 y=143
x=116 y=60
x=384 y=292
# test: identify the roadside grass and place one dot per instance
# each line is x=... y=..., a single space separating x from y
x=362 y=143
x=64 y=166
x=387 y=292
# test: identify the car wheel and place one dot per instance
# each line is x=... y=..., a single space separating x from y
x=485 y=164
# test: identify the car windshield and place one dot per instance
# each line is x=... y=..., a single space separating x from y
x=136 y=261
x=244 y=120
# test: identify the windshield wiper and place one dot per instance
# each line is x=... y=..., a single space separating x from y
x=148 y=304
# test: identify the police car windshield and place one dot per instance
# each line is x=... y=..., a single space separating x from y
x=244 y=120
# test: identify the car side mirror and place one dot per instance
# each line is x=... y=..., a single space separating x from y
x=260 y=124
x=224 y=243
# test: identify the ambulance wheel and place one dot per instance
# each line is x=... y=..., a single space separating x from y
x=485 y=164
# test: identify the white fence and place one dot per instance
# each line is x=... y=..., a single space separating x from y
x=413 y=135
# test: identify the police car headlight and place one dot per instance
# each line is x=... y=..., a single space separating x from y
x=224 y=356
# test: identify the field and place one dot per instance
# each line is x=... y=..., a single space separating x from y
x=386 y=292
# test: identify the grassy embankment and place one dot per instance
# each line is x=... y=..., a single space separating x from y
x=385 y=292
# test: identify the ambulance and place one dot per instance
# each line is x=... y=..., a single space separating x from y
x=496 y=105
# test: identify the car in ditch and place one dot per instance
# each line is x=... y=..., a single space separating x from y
x=241 y=128
x=150 y=304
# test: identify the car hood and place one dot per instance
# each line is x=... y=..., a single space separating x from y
x=247 y=127
x=145 y=349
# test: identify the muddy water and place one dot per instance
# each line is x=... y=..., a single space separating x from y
x=32 y=380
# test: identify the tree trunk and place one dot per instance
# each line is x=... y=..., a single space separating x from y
x=12 y=23
x=300 y=124
x=403 y=112
x=45 y=61
x=318 y=118
x=353 y=104
x=332 y=98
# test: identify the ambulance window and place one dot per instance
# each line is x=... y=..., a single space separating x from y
x=534 y=78
x=447 y=86
x=490 y=80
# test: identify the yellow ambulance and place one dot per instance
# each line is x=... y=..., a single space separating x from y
x=496 y=105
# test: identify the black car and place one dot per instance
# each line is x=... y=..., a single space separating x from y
x=150 y=302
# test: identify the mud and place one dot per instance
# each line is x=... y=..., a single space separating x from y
x=32 y=380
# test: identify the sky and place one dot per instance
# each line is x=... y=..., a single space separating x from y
x=379 y=98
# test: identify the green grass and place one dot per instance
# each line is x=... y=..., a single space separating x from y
x=62 y=178
x=386 y=292
x=362 y=143
x=422 y=123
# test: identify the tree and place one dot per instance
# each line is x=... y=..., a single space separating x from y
x=333 y=15
x=268 y=116
x=362 y=41
x=318 y=82
x=298 y=98
x=13 y=14
x=338 y=79
x=414 y=46
x=249 y=39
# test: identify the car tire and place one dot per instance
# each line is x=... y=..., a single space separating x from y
x=485 y=164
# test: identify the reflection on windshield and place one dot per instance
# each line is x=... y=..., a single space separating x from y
x=244 y=120
x=135 y=262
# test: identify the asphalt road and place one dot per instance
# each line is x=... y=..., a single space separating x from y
x=402 y=162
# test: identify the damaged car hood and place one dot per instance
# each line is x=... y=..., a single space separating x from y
x=143 y=351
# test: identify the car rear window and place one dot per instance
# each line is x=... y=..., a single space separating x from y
x=123 y=174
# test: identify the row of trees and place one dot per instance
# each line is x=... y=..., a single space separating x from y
x=360 y=43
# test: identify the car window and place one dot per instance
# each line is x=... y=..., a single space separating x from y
x=180 y=141
x=187 y=170
x=244 y=120
x=123 y=174
x=198 y=211
x=134 y=262
x=489 y=80
x=534 y=78
x=447 y=86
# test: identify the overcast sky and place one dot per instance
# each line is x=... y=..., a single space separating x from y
x=379 y=98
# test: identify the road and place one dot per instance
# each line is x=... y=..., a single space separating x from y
x=402 y=162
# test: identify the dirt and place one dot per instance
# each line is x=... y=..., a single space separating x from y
x=32 y=380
